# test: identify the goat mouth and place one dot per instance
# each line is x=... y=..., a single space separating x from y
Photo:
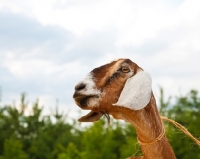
x=83 y=100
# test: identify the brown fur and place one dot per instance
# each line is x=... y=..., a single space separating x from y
x=146 y=121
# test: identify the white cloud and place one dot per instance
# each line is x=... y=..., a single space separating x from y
x=29 y=68
x=134 y=22
x=57 y=42
x=139 y=19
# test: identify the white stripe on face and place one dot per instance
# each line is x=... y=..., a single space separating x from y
x=90 y=88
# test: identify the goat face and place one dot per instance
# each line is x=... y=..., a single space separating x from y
x=104 y=86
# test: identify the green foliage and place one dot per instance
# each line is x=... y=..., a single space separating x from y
x=70 y=152
x=13 y=149
x=25 y=133
x=186 y=111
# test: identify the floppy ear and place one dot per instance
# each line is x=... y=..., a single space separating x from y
x=91 y=117
x=136 y=93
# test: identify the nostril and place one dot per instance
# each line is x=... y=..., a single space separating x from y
x=80 y=86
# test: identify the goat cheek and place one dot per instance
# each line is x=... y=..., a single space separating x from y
x=111 y=96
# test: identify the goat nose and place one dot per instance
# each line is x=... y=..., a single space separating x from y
x=80 y=86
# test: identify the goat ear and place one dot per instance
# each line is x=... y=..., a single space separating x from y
x=91 y=117
x=136 y=93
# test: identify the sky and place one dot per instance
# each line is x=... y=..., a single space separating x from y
x=48 y=46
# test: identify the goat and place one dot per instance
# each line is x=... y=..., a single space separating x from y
x=123 y=89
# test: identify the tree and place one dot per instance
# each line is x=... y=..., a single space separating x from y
x=35 y=136
x=38 y=135
x=186 y=112
x=97 y=142
x=13 y=150
x=70 y=152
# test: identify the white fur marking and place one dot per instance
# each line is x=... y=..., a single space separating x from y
x=90 y=89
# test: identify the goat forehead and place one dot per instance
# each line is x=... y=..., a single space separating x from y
x=108 y=68
x=103 y=73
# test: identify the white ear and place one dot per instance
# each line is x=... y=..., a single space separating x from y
x=136 y=93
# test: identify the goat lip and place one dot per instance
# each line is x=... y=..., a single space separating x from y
x=82 y=100
x=78 y=96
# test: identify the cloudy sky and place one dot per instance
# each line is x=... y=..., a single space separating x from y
x=47 y=46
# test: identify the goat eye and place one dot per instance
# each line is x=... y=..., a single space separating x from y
x=125 y=69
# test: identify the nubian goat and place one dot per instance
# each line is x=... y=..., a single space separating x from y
x=123 y=89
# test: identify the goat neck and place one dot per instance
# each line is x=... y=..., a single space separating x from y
x=148 y=126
